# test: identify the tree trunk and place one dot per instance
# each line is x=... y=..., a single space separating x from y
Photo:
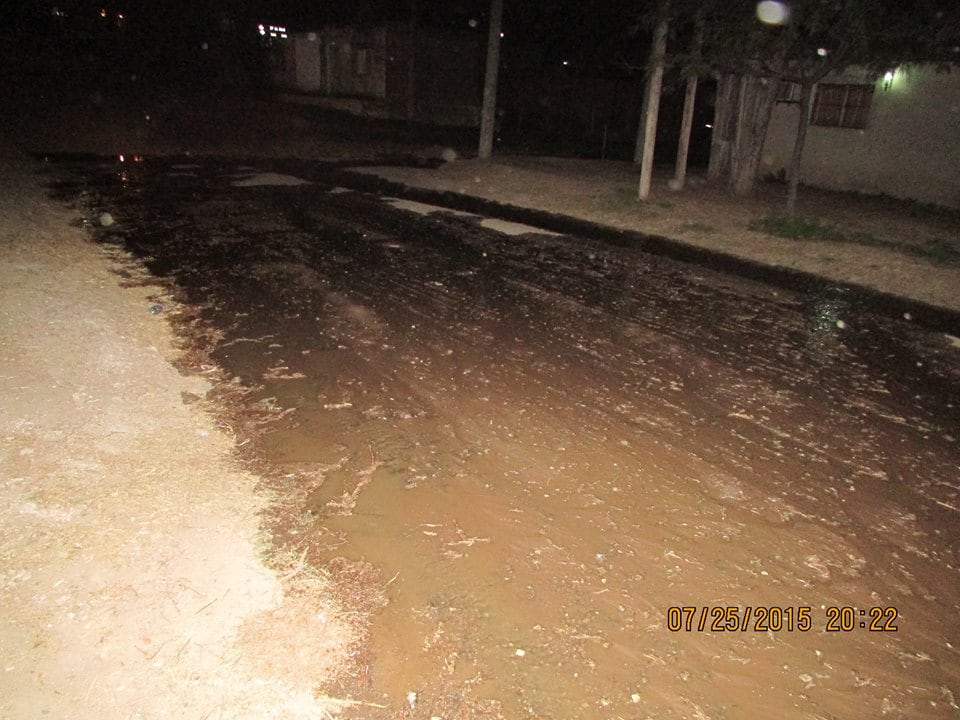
x=488 y=113
x=689 y=100
x=756 y=106
x=724 y=127
x=652 y=98
x=793 y=175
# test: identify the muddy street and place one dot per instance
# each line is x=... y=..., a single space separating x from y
x=589 y=482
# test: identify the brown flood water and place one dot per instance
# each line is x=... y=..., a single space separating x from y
x=545 y=444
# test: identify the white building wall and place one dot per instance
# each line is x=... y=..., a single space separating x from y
x=909 y=149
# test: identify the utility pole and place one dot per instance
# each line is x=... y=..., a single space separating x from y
x=488 y=112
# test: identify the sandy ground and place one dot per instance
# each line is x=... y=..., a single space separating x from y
x=605 y=193
x=132 y=575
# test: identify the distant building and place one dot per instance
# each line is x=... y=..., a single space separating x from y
x=385 y=72
x=896 y=133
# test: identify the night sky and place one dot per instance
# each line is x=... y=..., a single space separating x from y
x=595 y=31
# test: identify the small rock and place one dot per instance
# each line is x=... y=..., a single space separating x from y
x=156 y=309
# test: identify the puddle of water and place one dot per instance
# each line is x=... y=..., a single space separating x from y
x=423 y=208
x=512 y=228
x=502 y=226
x=269 y=179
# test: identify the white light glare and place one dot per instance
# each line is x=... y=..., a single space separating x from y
x=822 y=52
x=772 y=12
x=888 y=76
x=566 y=62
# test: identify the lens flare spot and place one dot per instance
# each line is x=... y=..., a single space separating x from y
x=771 y=12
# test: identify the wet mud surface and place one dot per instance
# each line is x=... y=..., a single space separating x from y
x=543 y=443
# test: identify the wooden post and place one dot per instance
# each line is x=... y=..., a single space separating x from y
x=488 y=112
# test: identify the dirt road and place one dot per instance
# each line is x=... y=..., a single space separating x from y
x=541 y=445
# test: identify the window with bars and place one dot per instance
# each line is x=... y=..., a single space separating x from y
x=842 y=106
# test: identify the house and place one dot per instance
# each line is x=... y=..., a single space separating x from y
x=896 y=133
x=386 y=72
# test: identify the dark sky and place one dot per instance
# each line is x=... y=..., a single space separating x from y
x=535 y=20
x=595 y=29
x=593 y=35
